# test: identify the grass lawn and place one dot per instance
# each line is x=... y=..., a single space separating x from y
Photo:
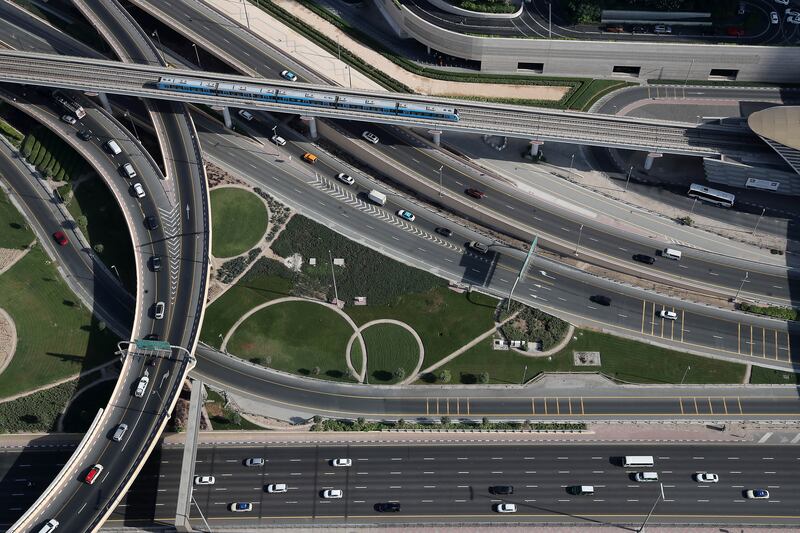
x=57 y=336
x=389 y=347
x=238 y=221
x=105 y=226
x=767 y=376
x=223 y=418
x=36 y=412
x=299 y=336
x=83 y=410
x=622 y=359
x=444 y=320
x=14 y=232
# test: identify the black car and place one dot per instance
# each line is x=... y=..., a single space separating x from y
x=444 y=232
x=644 y=258
x=600 y=299
x=389 y=507
x=501 y=489
x=85 y=135
x=639 y=29
x=151 y=223
x=155 y=263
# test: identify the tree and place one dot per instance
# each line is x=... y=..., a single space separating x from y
x=82 y=221
x=317 y=419
x=401 y=423
x=315 y=371
x=101 y=325
x=99 y=248
x=483 y=377
x=399 y=373
x=444 y=376
x=445 y=421
x=485 y=422
x=236 y=419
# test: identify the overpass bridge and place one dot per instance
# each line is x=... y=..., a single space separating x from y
x=535 y=124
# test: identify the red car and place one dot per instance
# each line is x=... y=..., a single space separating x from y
x=475 y=193
x=733 y=31
x=93 y=474
x=61 y=238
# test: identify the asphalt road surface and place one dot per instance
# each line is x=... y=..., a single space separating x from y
x=443 y=483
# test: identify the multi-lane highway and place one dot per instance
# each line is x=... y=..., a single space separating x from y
x=442 y=483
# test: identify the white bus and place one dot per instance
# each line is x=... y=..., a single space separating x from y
x=712 y=196
x=753 y=183
x=637 y=461
x=69 y=104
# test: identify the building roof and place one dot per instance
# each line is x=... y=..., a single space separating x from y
x=779 y=123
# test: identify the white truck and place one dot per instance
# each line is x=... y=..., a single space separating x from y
x=377 y=197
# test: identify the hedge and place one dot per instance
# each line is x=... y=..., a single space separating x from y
x=444 y=423
x=785 y=313
x=36 y=412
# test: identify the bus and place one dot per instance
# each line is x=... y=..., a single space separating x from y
x=638 y=461
x=753 y=183
x=712 y=196
x=69 y=104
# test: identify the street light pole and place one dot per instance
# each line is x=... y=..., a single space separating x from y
x=571 y=162
x=746 y=275
x=659 y=496
x=764 y=210
x=197 y=55
x=133 y=124
x=628 y=179
x=688 y=367
x=114 y=268
x=441 y=168
x=160 y=46
x=333 y=273
x=580 y=232
x=524 y=374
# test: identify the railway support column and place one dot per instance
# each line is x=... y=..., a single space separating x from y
x=437 y=136
x=535 y=148
x=311 y=122
x=226 y=115
x=184 y=506
x=104 y=101
x=651 y=157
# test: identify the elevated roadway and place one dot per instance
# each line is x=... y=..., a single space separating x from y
x=519 y=121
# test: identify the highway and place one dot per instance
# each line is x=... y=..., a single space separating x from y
x=443 y=483
x=475 y=117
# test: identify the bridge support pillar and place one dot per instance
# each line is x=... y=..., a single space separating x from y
x=437 y=136
x=226 y=116
x=535 y=145
x=184 y=507
x=651 y=157
x=104 y=101
x=311 y=122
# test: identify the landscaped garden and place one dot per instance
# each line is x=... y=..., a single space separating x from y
x=238 y=221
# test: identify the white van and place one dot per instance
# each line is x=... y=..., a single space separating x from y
x=113 y=147
x=51 y=525
x=377 y=197
x=646 y=477
x=638 y=460
x=671 y=253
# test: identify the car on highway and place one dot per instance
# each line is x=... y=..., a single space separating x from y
x=85 y=135
x=506 y=508
x=444 y=232
x=276 y=488
x=782 y=2
x=128 y=171
x=581 y=490
x=345 y=178
x=757 y=494
x=371 y=137
x=662 y=29
x=706 y=477
x=407 y=215
x=93 y=474
x=138 y=190
x=120 y=432
x=69 y=119
x=61 y=238
x=289 y=75
x=141 y=387
x=600 y=299
x=245 y=114
x=387 y=507
x=158 y=313
x=734 y=31
x=669 y=315
x=151 y=222
x=50 y=526
x=332 y=494
x=254 y=461
x=773 y=17
x=501 y=489
x=644 y=258
x=615 y=29
x=155 y=263
x=475 y=193
x=645 y=477
x=478 y=247
x=638 y=29
x=342 y=462
x=241 y=507
x=277 y=139
x=204 y=480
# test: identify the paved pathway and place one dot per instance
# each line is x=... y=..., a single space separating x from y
x=8 y=339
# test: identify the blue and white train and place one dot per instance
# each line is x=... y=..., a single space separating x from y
x=301 y=97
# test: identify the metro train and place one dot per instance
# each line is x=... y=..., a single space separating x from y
x=301 y=97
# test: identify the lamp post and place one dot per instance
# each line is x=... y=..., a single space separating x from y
x=114 y=268
x=628 y=179
x=571 y=162
x=197 y=55
x=160 y=46
x=333 y=273
x=659 y=496
x=441 y=168
x=133 y=125
x=746 y=276
x=580 y=232
x=764 y=210
x=688 y=367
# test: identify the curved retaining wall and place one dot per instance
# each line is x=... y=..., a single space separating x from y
x=773 y=64
x=450 y=8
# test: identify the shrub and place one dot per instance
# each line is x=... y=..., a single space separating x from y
x=785 y=313
x=399 y=373
x=36 y=412
x=532 y=325
x=444 y=376
x=99 y=248
x=483 y=377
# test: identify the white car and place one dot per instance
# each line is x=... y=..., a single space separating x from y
x=247 y=115
x=254 y=461
x=139 y=190
x=276 y=488
x=406 y=215
x=782 y=2
x=757 y=494
x=342 y=462
x=669 y=315
x=773 y=17
x=277 y=139
x=142 y=386
x=705 y=477
x=69 y=119
x=345 y=178
x=332 y=494
x=371 y=137
x=204 y=480
x=289 y=75
x=241 y=507
x=506 y=508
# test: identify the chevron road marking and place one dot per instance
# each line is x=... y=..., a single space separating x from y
x=172 y=222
